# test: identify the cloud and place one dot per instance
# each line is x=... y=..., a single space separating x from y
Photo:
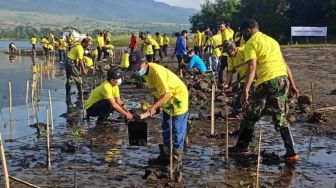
x=184 y=3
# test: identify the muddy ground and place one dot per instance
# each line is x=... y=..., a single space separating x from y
x=101 y=156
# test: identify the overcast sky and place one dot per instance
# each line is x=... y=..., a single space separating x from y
x=185 y=3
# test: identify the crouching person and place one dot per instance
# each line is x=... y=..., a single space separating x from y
x=106 y=97
x=195 y=63
x=171 y=94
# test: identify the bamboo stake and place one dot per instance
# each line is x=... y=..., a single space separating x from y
x=51 y=113
x=23 y=182
x=41 y=76
x=212 y=131
x=4 y=164
x=27 y=102
x=82 y=99
x=48 y=141
x=312 y=95
x=258 y=162
x=227 y=134
x=10 y=99
x=171 y=147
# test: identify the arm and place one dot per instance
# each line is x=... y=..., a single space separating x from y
x=159 y=103
x=292 y=87
x=120 y=109
x=228 y=80
x=191 y=63
x=120 y=103
x=82 y=66
x=252 y=65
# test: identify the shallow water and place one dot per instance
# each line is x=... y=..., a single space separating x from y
x=105 y=159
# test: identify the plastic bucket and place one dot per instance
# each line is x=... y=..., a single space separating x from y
x=137 y=133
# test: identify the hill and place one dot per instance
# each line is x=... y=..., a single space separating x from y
x=106 y=10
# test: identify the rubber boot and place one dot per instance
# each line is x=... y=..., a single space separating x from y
x=80 y=90
x=287 y=138
x=162 y=159
x=177 y=165
x=67 y=89
x=244 y=139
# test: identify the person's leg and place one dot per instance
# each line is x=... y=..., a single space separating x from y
x=165 y=48
x=179 y=130
x=101 y=108
x=278 y=89
x=60 y=55
x=160 y=52
x=99 y=53
x=223 y=64
x=68 y=78
x=179 y=61
x=254 y=112
x=149 y=57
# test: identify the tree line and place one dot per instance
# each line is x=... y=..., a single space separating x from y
x=275 y=17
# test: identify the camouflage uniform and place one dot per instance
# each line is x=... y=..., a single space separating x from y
x=72 y=71
x=270 y=94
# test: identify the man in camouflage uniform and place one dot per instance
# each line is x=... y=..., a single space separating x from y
x=273 y=81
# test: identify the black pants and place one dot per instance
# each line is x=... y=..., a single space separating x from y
x=222 y=66
x=179 y=61
x=198 y=51
x=149 y=57
x=100 y=108
x=160 y=52
x=101 y=51
x=165 y=49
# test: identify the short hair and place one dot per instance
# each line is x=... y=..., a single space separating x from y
x=249 y=24
x=157 y=33
x=85 y=41
x=184 y=32
x=191 y=51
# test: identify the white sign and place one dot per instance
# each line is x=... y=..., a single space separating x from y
x=309 y=31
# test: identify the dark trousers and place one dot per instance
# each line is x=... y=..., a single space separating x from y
x=101 y=51
x=165 y=49
x=198 y=51
x=149 y=57
x=179 y=61
x=61 y=55
x=222 y=66
x=100 y=108
x=160 y=52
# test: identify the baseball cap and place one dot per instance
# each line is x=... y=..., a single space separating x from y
x=136 y=59
x=114 y=74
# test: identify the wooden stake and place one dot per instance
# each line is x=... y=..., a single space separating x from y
x=171 y=147
x=312 y=95
x=23 y=182
x=258 y=162
x=41 y=76
x=51 y=113
x=48 y=141
x=227 y=134
x=212 y=131
x=27 y=102
x=10 y=99
x=82 y=98
x=4 y=164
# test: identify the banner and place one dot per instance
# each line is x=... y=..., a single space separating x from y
x=309 y=31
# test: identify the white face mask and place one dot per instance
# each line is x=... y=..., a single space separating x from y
x=119 y=81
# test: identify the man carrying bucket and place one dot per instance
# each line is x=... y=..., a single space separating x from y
x=171 y=94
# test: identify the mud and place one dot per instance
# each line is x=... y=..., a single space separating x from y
x=88 y=154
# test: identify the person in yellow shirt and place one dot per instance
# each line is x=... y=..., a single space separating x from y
x=90 y=38
x=147 y=46
x=273 y=81
x=62 y=49
x=100 y=46
x=45 y=45
x=33 y=42
x=108 y=37
x=171 y=94
x=197 y=39
x=228 y=27
x=159 y=40
x=166 y=42
x=51 y=38
x=226 y=35
x=216 y=43
x=12 y=48
x=106 y=97
x=75 y=66
x=125 y=60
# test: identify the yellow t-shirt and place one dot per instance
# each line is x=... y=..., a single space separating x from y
x=76 y=52
x=109 y=46
x=45 y=42
x=72 y=39
x=33 y=40
x=51 y=38
x=50 y=47
x=148 y=48
x=237 y=63
x=226 y=35
x=109 y=37
x=159 y=40
x=155 y=44
x=231 y=33
x=63 y=45
x=215 y=41
x=267 y=52
x=166 y=40
x=103 y=91
x=100 y=40
x=88 y=62
x=125 y=60
x=197 y=38
x=160 y=81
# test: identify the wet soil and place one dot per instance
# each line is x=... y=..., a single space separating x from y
x=87 y=154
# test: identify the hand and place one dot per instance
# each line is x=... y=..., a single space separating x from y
x=245 y=100
x=129 y=116
x=84 y=71
x=152 y=111
x=293 y=91
x=226 y=88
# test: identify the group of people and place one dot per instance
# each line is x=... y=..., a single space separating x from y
x=265 y=82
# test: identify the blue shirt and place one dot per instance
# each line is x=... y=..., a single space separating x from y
x=181 y=46
x=197 y=62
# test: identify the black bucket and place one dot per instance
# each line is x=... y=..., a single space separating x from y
x=137 y=133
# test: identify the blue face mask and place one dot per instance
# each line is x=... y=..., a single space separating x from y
x=141 y=72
